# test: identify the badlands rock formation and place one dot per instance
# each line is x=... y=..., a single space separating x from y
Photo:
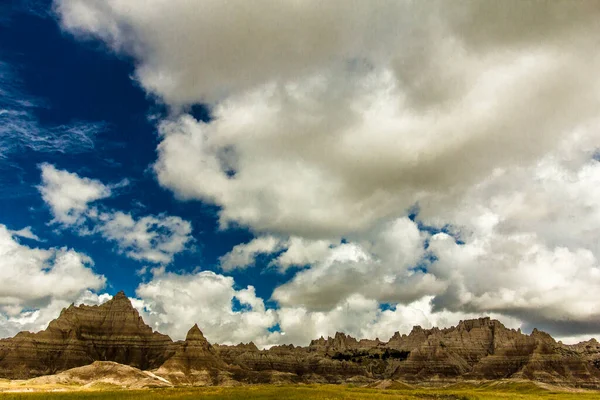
x=479 y=349
x=103 y=372
x=113 y=331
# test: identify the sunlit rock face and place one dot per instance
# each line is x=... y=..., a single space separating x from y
x=195 y=362
x=113 y=331
x=480 y=349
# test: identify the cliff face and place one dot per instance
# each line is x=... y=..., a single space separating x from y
x=475 y=349
x=113 y=331
x=195 y=362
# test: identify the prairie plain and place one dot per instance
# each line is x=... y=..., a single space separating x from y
x=488 y=391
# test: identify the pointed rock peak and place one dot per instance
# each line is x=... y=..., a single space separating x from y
x=469 y=324
x=541 y=335
x=64 y=310
x=248 y=347
x=195 y=334
x=120 y=297
x=416 y=329
x=121 y=300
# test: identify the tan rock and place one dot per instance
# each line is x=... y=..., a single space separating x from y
x=474 y=350
x=113 y=331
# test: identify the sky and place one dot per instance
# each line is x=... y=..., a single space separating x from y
x=277 y=171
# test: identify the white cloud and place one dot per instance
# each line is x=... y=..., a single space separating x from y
x=322 y=157
x=300 y=252
x=173 y=303
x=337 y=116
x=35 y=320
x=516 y=274
x=243 y=255
x=151 y=238
x=26 y=233
x=530 y=249
x=295 y=251
x=231 y=45
x=331 y=120
x=35 y=284
x=68 y=195
x=529 y=254
x=362 y=317
x=382 y=268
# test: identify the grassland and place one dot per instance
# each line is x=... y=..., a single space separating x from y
x=300 y=392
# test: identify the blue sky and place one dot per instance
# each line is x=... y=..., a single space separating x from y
x=73 y=84
x=284 y=175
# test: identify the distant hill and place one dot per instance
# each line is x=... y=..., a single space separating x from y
x=479 y=349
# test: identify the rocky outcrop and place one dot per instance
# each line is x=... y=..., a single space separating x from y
x=337 y=344
x=477 y=349
x=113 y=331
x=195 y=353
x=304 y=364
x=103 y=373
x=486 y=349
x=195 y=362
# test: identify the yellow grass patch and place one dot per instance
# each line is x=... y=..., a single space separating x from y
x=508 y=390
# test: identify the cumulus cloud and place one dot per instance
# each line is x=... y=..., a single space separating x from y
x=68 y=195
x=513 y=257
x=35 y=320
x=294 y=251
x=35 y=283
x=348 y=113
x=243 y=255
x=529 y=246
x=231 y=45
x=319 y=158
x=331 y=120
x=151 y=238
x=300 y=252
x=383 y=268
x=531 y=280
x=173 y=303
x=362 y=317
x=155 y=239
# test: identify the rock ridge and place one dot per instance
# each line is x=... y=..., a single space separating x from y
x=113 y=331
x=480 y=349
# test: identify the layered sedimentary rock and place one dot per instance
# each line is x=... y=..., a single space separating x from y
x=113 y=331
x=103 y=372
x=475 y=349
x=195 y=362
x=305 y=364
x=485 y=349
x=480 y=349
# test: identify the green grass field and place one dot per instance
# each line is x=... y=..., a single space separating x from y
x=514 y=391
